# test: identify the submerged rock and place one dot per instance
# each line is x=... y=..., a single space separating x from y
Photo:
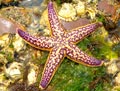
x=105 y=7
x=29 y=3
x=18 y=15
x=74 y=24
x=6 y=1
x=7 y=26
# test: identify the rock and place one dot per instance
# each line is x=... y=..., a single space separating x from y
x=74 y=24
x=6 y=1
x=18 y=15
x=44 y=23
x=29 y=3
x=7 y=26
x=106 y=7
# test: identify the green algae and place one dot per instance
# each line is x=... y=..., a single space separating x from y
x=76 y=77
x=9 y=57
x=116 y=48
x=59 y=2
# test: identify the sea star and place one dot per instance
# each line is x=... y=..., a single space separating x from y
x=61 y=44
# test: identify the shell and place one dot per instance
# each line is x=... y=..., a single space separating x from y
x=112 y=68
x=13 y=70
x=80 y=8
x=32 y=75
x=67 y=11
x=18 y=43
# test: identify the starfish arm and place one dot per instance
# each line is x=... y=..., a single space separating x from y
x=44 y=43
x=75 y=54
x=56 y=27
x=54 y=60
x=79 y=33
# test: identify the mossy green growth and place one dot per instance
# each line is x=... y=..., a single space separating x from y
x=43 y=59
x=101 y=18
x=76 y=77
x=9 y=57
x=104 y=47
x=58 y=2
x=116 y=48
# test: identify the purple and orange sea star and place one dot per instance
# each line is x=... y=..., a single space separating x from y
x=61 y=44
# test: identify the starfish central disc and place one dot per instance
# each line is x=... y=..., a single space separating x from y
x=62 y=41
x=61 y=44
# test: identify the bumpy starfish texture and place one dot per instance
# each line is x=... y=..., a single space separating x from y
x=61 y=44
